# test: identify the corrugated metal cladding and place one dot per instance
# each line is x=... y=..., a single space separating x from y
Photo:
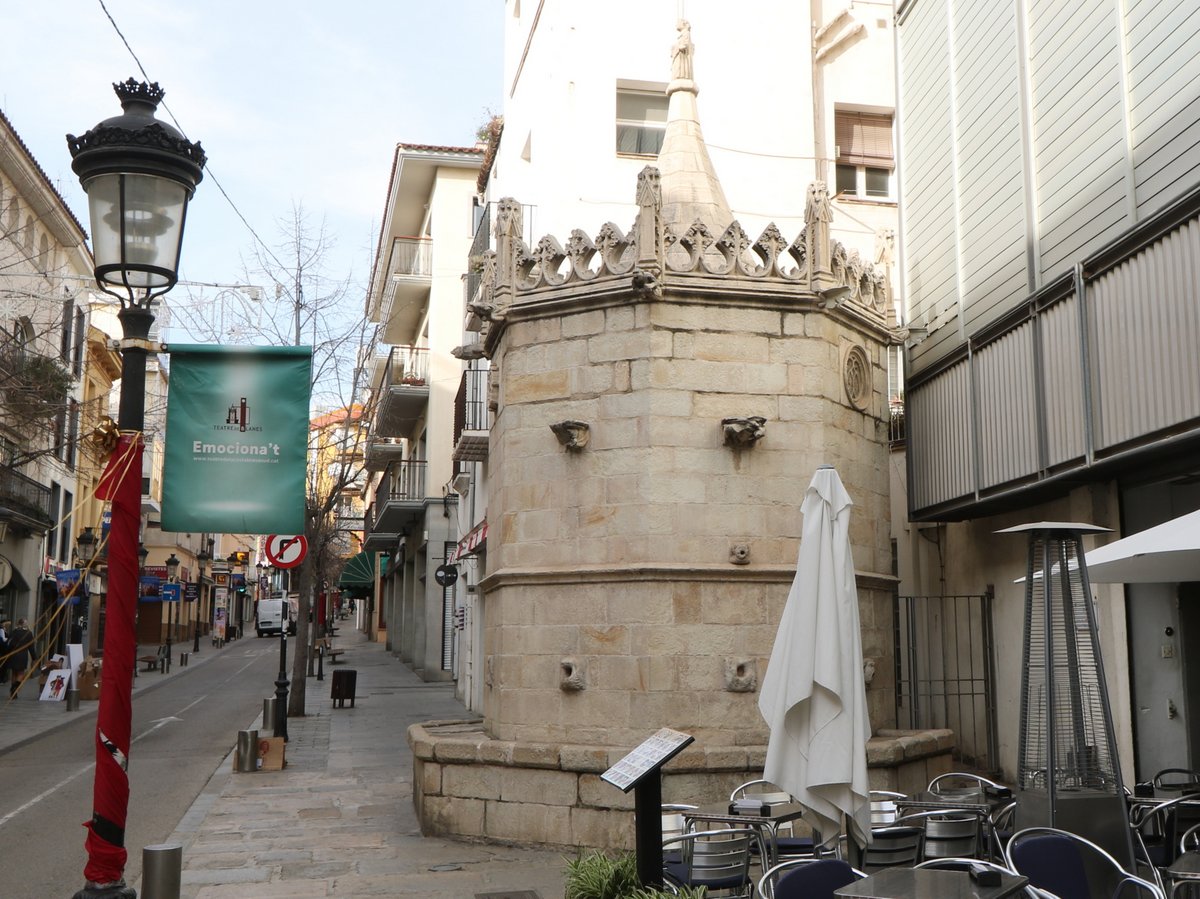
x=941 y=450
x=1062 y=369
x=1164 y=112
x=1146 y=315
x=1079 y=131
x=993 y=212
x=1008 y=408
x=991 y=208
x=926 y=168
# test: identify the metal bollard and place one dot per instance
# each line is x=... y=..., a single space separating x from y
x=72 y=700
x=269 y=715
x=247 y=751
x=162 y=871
x=183 y=659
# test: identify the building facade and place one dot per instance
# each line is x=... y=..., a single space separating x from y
x=1050 y=190
x=45 y=275
x=416 y=297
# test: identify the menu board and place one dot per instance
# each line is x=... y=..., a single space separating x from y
x=650 y=755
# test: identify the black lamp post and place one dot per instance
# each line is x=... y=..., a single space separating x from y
x=281 y=682
x=85 y=553
x=139 y=174
x=235 y=604
x=172 y=577
x=202 y=559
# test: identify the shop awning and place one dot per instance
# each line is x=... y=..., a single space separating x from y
x=359 y=571
x=472 y=542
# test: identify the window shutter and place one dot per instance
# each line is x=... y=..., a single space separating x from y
x=865 y=138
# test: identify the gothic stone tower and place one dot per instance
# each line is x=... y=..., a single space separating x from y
x=662 y=400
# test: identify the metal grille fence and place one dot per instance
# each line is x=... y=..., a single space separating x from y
x=945 y=671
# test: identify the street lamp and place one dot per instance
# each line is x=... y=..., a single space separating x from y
x=139 y=174
x=202 y=559
x=235 y=602
x=172 y=574
x=85 y=553
x=85 y=547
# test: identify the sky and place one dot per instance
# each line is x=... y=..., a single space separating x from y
x=296 y=103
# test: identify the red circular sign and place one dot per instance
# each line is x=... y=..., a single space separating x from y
x=286 y=551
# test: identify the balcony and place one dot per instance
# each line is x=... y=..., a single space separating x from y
x=403 y=390
x=399 y=503
x=406 y=288
x=24 y=502
x=471 y=417
x=382 y=451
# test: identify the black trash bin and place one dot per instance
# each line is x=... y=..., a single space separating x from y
x=344 y=682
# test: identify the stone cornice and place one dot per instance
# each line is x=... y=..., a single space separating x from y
x=600 y=574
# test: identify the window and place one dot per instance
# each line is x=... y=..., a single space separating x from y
x=865 y=159
x=68 y=319
x=641 y=120
x=80 y=338
x=55 y=501
x=64 y=533
x=60 y=435
x=72 y=431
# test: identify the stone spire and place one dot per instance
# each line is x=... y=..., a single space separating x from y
x=690 y=188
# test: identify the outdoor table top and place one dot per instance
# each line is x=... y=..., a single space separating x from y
x=1160 y=796
x=972 y=800
x=777 y=813
x=929 y=883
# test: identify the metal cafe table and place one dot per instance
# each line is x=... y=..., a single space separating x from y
x=929 y=883
x=773 y=816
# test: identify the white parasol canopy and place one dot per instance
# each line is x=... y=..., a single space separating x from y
x=1166 y=553
x=813 y=696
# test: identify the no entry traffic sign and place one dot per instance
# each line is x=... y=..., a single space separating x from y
x=286 y=551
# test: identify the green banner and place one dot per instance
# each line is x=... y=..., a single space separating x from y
x=237 y=439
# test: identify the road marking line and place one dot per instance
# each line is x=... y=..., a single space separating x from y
x=86 y=768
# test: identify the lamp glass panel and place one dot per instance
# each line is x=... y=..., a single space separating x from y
x=139 y=231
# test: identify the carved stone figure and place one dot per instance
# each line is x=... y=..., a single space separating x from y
x=681 y=52
x=571 y=434
x=743 y=432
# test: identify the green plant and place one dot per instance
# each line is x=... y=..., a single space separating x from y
x=33 y=386
x=595 y=875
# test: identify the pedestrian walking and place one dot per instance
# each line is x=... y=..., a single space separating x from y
x=20 y=643
x=5 y=627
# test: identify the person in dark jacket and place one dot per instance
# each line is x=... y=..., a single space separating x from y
x=20 y=647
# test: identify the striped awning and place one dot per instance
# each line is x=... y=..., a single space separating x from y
x=472 y=542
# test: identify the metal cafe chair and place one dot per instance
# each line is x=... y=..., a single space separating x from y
x=786 y=843
x=718 y=860
x=956 y=833
x=1072 y=867
x=803 y=878
x=674 y=824
x=954 y=781
x=1184 y=872
x=893 y=847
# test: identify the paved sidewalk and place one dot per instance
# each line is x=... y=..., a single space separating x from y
x=338 y=821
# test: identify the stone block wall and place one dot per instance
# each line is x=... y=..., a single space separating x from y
x=616 y=601
x=468 y=785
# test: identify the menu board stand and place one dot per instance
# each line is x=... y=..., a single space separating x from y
x=641 y=771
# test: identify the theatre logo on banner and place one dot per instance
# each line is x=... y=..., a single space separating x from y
x=237 y=439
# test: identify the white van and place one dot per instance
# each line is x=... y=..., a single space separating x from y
x=271 y=618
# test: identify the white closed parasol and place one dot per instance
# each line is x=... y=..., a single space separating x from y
x=813 y=696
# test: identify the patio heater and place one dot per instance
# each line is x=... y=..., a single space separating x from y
x=1068 y=773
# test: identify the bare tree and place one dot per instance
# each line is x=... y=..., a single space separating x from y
x=294 y=302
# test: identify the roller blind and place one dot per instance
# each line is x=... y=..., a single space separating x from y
x=865 y=138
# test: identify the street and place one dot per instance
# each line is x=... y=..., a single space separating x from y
x=182 y=730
